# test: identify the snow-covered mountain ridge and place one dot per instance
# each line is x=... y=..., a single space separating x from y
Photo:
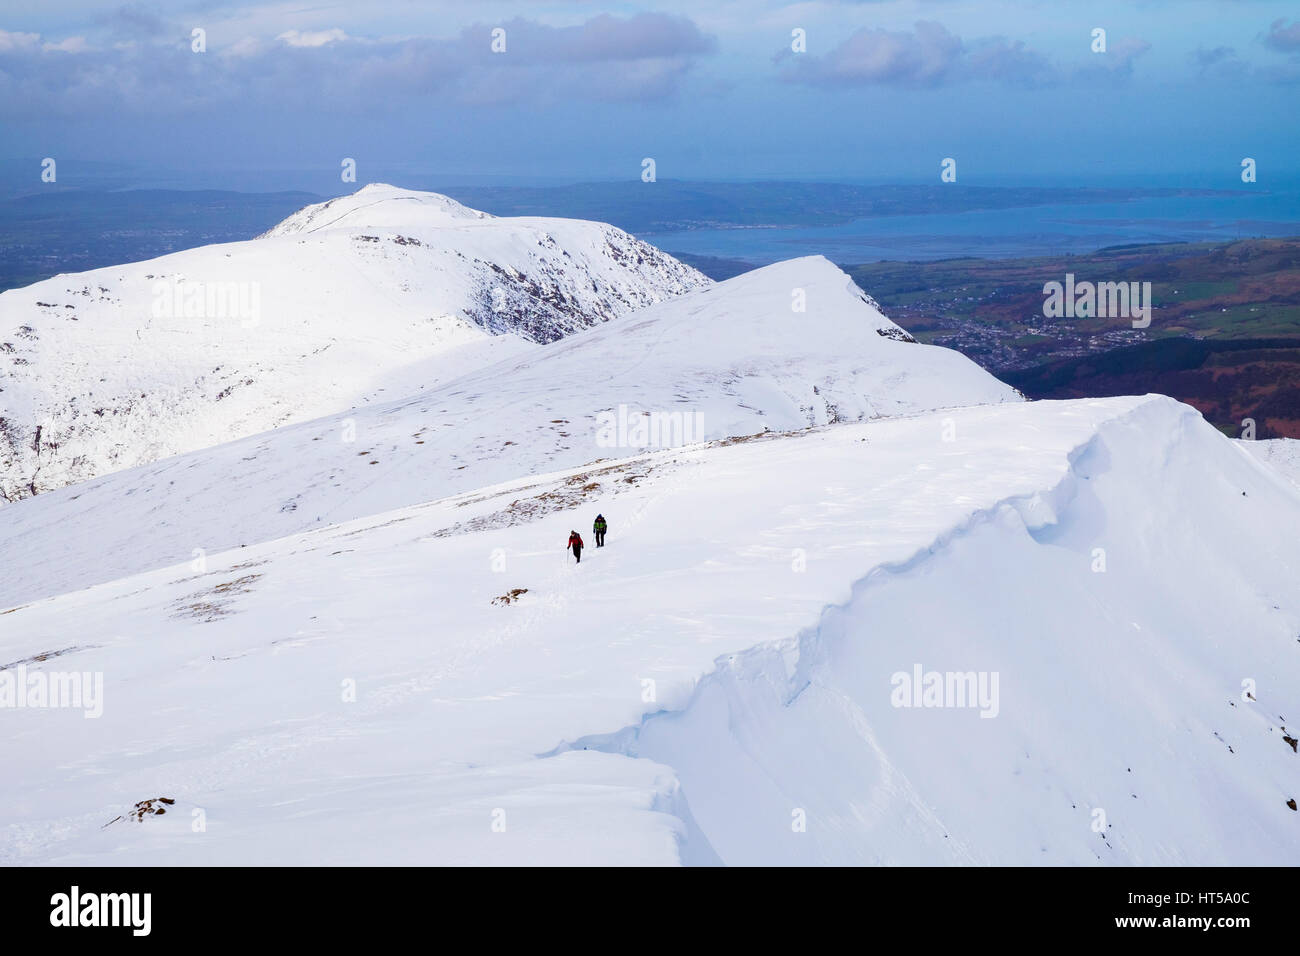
x=730 y=359
x=368 y=297
x=728 y=663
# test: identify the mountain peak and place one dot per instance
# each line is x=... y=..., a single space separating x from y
x=378 y=206
x=345 y=302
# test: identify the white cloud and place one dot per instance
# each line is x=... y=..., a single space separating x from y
x=244 y=47
x=312 y=38
x=70 y=45
x=18 y=41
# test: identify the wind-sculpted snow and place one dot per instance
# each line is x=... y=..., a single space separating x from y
x=1142 y=669
x=730 y=661
x=731 y=359
x=362 y=299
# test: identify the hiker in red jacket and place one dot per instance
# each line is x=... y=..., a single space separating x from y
x=575 y=542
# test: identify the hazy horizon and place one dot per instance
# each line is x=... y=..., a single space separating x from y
x=877 y=92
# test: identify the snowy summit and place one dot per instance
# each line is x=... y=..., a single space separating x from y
x=372 y=296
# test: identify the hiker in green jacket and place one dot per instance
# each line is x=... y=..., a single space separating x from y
x=598 y=528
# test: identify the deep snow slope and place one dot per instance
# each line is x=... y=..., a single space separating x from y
x=728 y=663
x=1281 y=453
x=730 y=359
x=368 y=297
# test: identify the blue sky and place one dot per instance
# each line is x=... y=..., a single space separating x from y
x=586 y=89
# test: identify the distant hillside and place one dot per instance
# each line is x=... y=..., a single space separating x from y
x=1227 y=380
x=1224 y=334
x=992 y=309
